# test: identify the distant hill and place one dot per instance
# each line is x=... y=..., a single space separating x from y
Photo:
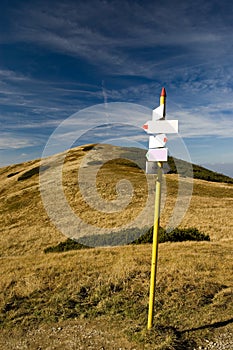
x=195 y=171
x=199 y=172
x=222 y=168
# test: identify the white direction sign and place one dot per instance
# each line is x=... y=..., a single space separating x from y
x=157 y=155
x=158 y=113
x=157 y=141
x=161 y=126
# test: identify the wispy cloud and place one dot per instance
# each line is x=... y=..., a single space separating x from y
x=136 y=47
x=12 y=141
x=109 y=32
x=109 y=35
x=203 y=124
x=28 y=102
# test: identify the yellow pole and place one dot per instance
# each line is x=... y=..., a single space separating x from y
x=155 y=247
x=156 y=228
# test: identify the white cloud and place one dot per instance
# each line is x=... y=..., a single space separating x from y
x=12 y=141
x=181 y=46
x=105 y=32
x=202 y=123
x=11 y=75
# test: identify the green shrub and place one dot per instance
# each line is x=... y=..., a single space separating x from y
x=125 y=236
x=69 y=244
x=13 y=174
x=32 y=172
x=180 y=235
x=88 y=147
x=176 y=235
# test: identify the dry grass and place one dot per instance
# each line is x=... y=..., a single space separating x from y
x=27 y=228
x=194 y=291
x=102 y=293
x=210 y=209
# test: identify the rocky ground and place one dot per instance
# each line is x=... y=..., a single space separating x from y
x=73 y=336
x=223 y=342
x=83 y=336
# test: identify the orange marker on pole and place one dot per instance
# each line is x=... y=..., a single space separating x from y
x=163 y=96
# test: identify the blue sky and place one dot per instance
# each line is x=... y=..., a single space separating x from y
x=59 y=57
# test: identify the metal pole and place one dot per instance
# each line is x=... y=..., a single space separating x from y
x=155 y=246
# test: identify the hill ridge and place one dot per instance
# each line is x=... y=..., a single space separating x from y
x=199 y=172
x=99 y=296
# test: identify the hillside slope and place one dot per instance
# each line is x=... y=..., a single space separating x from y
x=98 y=298
x=26 y=226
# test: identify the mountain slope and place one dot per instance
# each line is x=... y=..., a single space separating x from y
x=199 y=172
x=26 y=226
x=98 y=298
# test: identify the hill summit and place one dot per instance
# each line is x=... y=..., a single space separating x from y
x=98 y=298
x=26 y=226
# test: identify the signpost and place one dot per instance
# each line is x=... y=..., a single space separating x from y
x=157 y=141
x=157 y=153
x=160 y=126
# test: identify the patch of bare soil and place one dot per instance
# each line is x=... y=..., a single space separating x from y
x=69 y=335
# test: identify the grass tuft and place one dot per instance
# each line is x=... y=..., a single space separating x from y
x=69 y=244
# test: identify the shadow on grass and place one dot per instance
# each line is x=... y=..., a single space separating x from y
x=182 y=341
x=213 y=325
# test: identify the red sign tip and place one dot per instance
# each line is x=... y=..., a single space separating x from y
x=145 y=126
x=163 y=92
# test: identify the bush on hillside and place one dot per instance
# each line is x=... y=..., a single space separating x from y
x=69 y=244
x=176 y=235
x=13 y=174
x=34 y=171
x=88 y=147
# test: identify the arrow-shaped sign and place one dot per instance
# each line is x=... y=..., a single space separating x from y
x=161 y=126
x=157 y=141
x=158 y=113
x=157 y=155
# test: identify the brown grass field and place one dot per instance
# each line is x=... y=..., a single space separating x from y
x=98 y=298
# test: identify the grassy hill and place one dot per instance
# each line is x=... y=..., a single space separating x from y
x=98 y=298
x=199 y=172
